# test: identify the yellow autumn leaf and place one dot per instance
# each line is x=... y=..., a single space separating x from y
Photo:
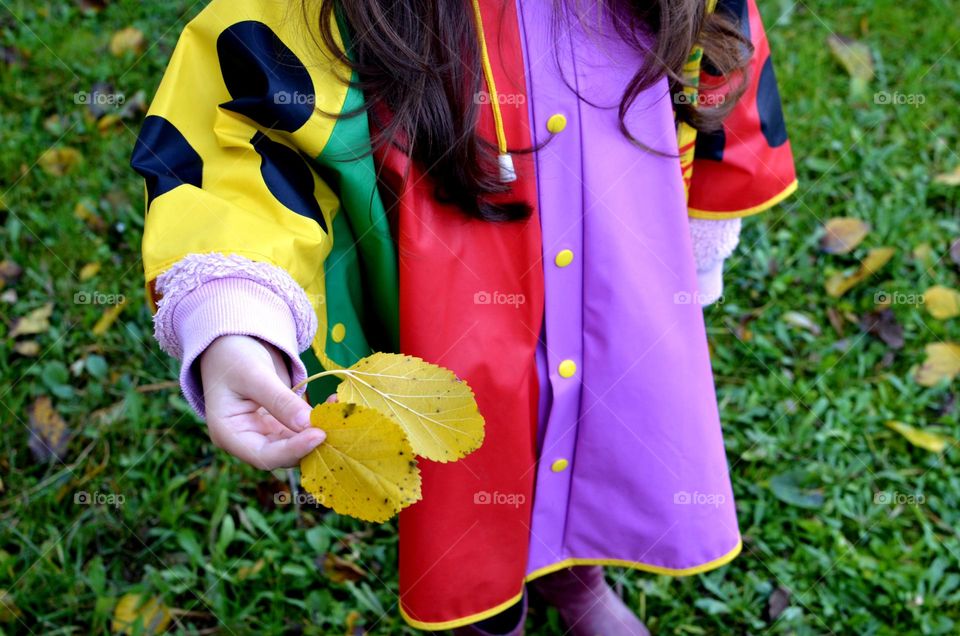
x=856 y=59
x=436 y=410
x=37 y=321
x=365 y=468
x=129 y=39
x=133 y=611
x=949 y=178
x=924 y=253
x=109 y=316
x=932 y=442
x=942 y=363
x=27 y=348
x=249 y=571
x=840 y=283
x=88 y=271
x=86 y=213
x=59 y=161
x=942 y=302
x=842 y=234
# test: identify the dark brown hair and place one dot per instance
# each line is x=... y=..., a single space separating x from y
x=418 y=62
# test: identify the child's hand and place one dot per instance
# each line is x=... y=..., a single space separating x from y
x=251 y=411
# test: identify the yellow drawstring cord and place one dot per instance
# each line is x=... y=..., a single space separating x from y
x=507 y=172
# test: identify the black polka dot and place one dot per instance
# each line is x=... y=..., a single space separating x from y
x=267 y=82
x=710 y=145
x=164 y=157
x=770 y=108
x=288 y=177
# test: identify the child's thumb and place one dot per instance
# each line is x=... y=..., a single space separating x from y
x=271 y=393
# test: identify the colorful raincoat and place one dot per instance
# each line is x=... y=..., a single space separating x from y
x=578 y=329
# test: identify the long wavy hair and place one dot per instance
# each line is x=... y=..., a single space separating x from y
x=418 y=64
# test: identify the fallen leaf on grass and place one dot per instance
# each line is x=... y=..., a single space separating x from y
x=365 y=468
x=942 y=302
x=933 y=442
x=37 y=321
x=836 y=321
x=60 y=161
x=92 y=5
x=125 y=40
x=340 y=570
x=840 y=283
x=856 y=59
x=107 y=122
x=88 y=271
x=109 y=316
x=437 y=411
x=843 y=234
x=942 y=363
x=135 y=614
x=779 y=600
x=49 y=434
x=27 y=348
x=86 y=213
x=883 y=324
x=801 y=320
x=924 y=253
x=955 y=251
x=949 y=178
x=10 y=273
x=249 y=571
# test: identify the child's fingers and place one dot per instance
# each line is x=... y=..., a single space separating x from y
x=332 y=397
x=279 y=400
x=255 y=450
x=286 y=453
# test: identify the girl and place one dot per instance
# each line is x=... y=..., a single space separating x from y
x=513 y=189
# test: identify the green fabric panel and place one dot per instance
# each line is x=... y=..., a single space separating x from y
x=347 y=154
x=362 y=286
x=345 y=300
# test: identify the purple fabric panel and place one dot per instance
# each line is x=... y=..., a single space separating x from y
x=646 y=479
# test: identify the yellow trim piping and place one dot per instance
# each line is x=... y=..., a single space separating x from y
x=735 y=214
x=566 y=563
x=643 y=567
x=491 y=85
x=460 y=622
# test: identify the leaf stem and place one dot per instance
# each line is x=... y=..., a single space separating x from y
x=316 y=376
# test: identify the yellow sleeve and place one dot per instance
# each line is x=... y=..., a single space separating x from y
x=227 y=144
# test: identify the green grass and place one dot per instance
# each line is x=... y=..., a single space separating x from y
x=806 y=410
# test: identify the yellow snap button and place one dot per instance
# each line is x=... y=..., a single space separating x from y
x=338 y=332
x=559 y=466
x=567 y=368
x=556 y=123
x=563 y=258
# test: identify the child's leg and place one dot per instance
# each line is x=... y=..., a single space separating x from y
x=509 y=622
x=587 y=605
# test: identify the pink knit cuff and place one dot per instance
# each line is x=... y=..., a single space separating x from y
x=194 y=270
x=231 y=306
x=714 y=240
x=205 y=296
